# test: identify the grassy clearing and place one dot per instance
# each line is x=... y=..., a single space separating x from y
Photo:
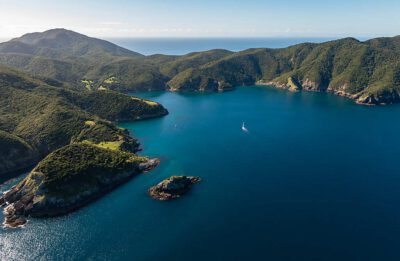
x=110 y=145
x=90 y=123
x=151 y=103
x=88 y=84
x=294 y=86
x=110 y=80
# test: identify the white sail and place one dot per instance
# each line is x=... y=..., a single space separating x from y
x=244 y=128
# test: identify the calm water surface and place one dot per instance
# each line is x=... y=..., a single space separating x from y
x=316 y=178
x=179 y=46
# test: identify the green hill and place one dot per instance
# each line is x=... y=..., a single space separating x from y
x=365 y=71
x=15 y=154
x=70 y=178
x=37 y=118
x=60 y=54
x=63 y=44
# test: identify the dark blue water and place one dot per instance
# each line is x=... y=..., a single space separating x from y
x=180 y=46
x=316 y=178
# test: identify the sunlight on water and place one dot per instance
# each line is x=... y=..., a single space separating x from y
x=314 y=178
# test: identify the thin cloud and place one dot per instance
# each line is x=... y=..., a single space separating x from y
x=111 y=23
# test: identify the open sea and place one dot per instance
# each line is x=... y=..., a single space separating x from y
x=317 y=177
x=179 y=46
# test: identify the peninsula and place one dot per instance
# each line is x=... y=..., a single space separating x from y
x=61 y=93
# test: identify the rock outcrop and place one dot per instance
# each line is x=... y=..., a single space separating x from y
x=172 y=187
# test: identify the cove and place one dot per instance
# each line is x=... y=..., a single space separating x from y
x=315 y=178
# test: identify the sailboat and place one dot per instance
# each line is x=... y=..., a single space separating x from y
x=244 y=128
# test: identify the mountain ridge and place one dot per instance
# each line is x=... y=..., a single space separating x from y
x=63 y=38
x=366 y=71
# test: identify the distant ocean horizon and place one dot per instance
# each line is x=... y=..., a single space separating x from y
x=180 y=46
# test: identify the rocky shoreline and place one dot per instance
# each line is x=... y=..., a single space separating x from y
x=173 y=187
x=33 y=198
x=359 y=98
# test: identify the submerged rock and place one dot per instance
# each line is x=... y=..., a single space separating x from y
x=172 y=187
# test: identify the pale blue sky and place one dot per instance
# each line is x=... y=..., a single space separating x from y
x=204 y=18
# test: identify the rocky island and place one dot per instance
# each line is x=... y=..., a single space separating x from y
x=173 y=187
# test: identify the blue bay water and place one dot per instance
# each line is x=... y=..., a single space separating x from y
x=316 y=178
x=180 y=46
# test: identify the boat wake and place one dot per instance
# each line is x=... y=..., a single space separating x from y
x=244 y=129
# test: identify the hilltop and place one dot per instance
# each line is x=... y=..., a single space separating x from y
x=61 y=44
x=365 y=71
x=61 y=54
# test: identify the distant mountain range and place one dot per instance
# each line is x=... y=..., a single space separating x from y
x=368 y=72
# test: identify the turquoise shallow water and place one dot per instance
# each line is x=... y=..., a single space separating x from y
x=316 y=178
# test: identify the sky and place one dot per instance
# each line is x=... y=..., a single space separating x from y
x=203 y=18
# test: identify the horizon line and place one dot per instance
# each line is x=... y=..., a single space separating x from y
x=337 y=37
x=361 y=37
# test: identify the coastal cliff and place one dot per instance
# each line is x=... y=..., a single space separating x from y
x=70 y=178
x=367 y=72
x=375 y=97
